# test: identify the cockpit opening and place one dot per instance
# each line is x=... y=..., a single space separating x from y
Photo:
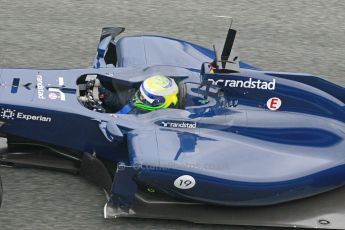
x=108 y=95
x=103 y=94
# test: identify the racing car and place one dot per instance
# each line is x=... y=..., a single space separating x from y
x=243 y=146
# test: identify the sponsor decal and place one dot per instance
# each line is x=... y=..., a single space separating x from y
x=184 y=182
x=27 y=86
x=53 y=96
x=179 y=124
x=8 y=114
x=56 y=94
x=40 y=87
x=249 y=84
x=274 y=103
x=11 y=114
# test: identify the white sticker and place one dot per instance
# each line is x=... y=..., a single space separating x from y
x=53 y=96
x=274 y=103
x=58 y=93
x=10 y=114
x=184 y=182
x=61 y=81
x=40 y=87
x=7 y=114
x=249 y=84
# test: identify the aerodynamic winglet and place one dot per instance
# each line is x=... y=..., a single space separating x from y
x=108 y=34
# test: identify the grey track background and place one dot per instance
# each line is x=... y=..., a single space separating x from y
x=300 y=36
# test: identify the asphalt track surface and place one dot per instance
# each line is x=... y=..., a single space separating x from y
x=298 y=36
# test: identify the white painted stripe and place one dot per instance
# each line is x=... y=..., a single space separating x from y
x=222 y=16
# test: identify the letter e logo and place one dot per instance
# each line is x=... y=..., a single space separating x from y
x=274 y=103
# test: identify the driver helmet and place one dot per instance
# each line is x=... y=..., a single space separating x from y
x=156 y=92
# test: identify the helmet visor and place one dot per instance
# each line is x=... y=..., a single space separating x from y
x=147 y=101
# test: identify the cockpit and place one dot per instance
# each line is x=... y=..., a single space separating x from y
x=94 y=89
x=109 y=95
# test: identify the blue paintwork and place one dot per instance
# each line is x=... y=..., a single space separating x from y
x=240 y=193
x=150 y=50
x=239 y=152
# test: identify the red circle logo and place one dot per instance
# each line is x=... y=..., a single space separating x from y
x=274 y=103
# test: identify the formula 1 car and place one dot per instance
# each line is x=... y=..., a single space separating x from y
x=243 y=146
